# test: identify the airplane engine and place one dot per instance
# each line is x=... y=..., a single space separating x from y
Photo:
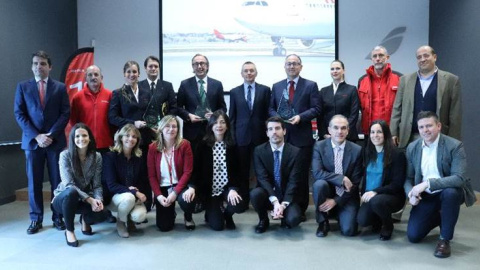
x=315 y=43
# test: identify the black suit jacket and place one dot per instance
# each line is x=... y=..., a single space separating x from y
x=323 y=167
x=202 y=176
x=305 y=103
x=291 y=164
x=344 y=102
x=124 y=109
x=188 y=98
x=163 y=93
x=249 y=126
x=393 y=177
x=34 y=120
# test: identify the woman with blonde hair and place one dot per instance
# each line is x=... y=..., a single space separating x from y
x=170 y=165
x=123 y=169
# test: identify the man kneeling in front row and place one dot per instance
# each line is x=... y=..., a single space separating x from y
x=277 y=167
x=436 y=183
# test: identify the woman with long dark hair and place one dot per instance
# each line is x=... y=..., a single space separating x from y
x=128 y=106
x=338 y=98
x=123 y=169
x=215 y=174
x=382 y=183
x=170 y=165
x=81 y=188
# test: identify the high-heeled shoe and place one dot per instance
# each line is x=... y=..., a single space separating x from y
x=72 y=244
x=86 y=232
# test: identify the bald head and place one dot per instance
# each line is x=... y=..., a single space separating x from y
x=94 y=78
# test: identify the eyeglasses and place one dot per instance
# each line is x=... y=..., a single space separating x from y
x=199 y=64
x=292 y=64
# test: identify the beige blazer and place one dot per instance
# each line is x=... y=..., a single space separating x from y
x=449 y=106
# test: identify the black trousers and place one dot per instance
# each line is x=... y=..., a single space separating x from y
x=68 y=203
x=261 y=204
x=215 y=212
x=378 y=211
x=165 y=216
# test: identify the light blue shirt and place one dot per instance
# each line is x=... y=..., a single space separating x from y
x=374 y=173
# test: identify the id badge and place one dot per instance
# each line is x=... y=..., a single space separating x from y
x=170 y=190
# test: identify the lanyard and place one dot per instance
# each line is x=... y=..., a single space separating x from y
x=170 y=164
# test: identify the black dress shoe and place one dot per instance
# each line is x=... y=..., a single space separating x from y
x=86 y=232
x=189 y=223
x=229 y=224
x=303 y=217
x=72 y=244
x=34 y=227
x=262 y=226
x=323 y=229
x=59 y=224
x=386 y=232
x=443 y=249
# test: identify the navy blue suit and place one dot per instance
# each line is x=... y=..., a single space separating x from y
x=34 y=120
x=188 y=98
x=249 y=127
x=307 y=106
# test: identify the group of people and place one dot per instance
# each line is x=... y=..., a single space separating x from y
x=203 y=161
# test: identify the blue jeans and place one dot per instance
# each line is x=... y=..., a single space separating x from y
x=438 y=209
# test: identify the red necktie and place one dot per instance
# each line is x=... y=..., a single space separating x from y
x=291 y=91
x=42 y=93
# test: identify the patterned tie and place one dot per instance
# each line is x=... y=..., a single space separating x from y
x=202 y=92
x=339 y=168
x=276 y=175
x=41 y=92
x=152 y=87
x=249 y=97
x=291 y=91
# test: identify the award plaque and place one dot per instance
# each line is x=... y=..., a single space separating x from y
x=285 y=110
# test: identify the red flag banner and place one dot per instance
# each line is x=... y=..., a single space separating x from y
x=73 y=74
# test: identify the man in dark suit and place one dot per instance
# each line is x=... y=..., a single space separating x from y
x=304 y=99
x=248 y=113
x=337 y=171
x=42 y=111
x=277 y=167
x=162 y=91
x=190 y=95
x=436 y=183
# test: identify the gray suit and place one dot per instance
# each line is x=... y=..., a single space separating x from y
x=451 y=162
x=325 y=181
x=449 y=106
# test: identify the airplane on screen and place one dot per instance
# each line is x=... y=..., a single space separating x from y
x=229 y=37
x=311 y=22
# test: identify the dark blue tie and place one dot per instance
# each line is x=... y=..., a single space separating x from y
x=249 y=97
x=276 y=175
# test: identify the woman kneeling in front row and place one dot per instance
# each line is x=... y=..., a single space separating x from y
x=81 y=188
x=123 y=169
x=170 y=164
x=382 y=184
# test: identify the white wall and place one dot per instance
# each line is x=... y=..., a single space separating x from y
x=364 y=24
x=122 y=30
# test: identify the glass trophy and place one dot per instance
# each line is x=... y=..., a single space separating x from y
x=154 y=113
x=202 y=109
x=285 y=110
